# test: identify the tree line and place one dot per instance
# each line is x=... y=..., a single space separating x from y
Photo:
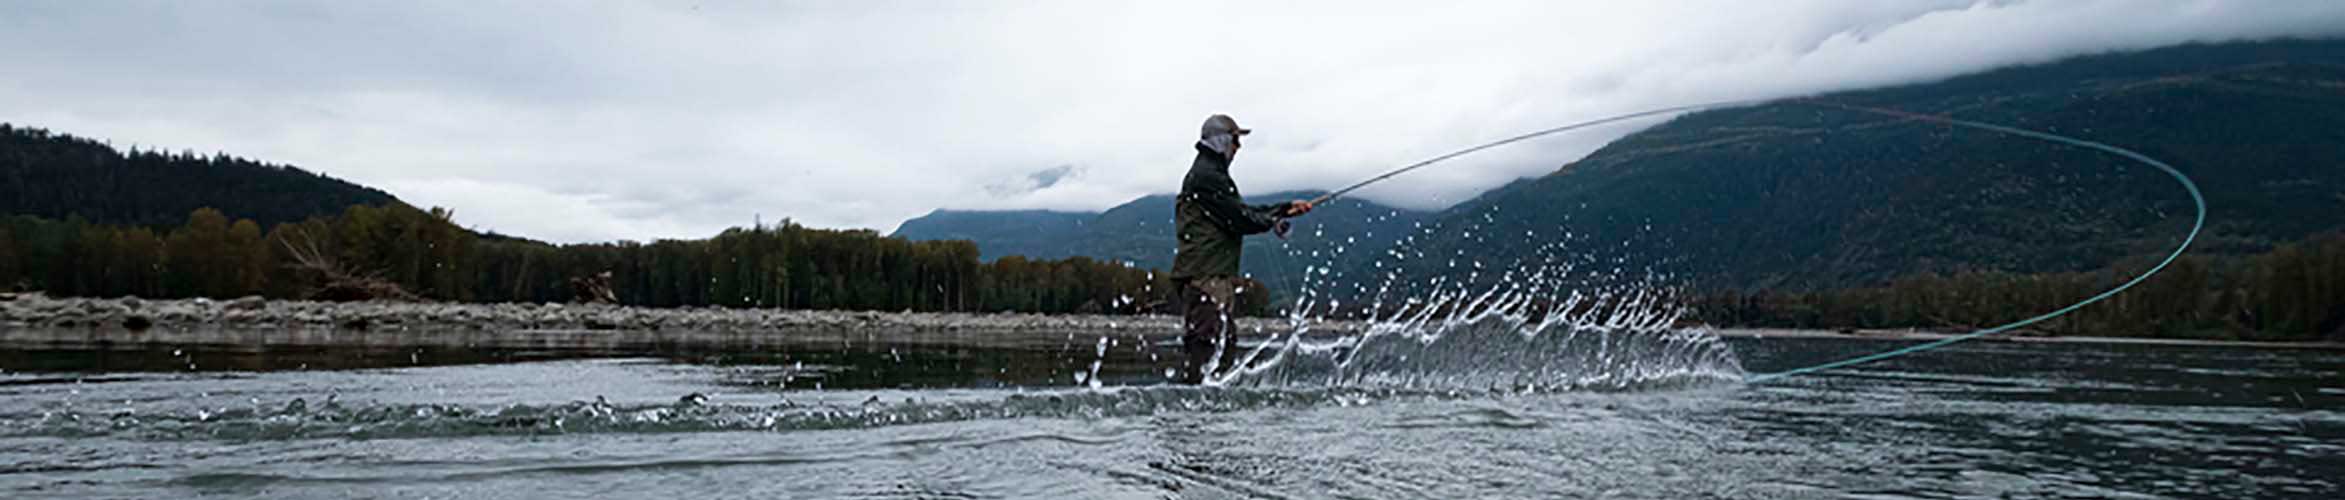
x=54 y=176
x=2294 y=292
x=425 y=254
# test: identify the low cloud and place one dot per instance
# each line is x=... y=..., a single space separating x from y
x=552 y=216
x=1036 y=181
x=642 y=121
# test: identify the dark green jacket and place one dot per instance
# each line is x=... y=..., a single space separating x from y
x=1214 y=220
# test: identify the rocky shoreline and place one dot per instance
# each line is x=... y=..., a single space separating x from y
x=24 y=311
x=134 y=315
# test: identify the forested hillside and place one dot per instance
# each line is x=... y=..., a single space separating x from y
x=1795 y=214
x=425 y=254
x=58 y=176
x=1797 y=196
x=78 y=217
x=1792 y=196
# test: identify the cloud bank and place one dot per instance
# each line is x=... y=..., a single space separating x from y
x=607 y=121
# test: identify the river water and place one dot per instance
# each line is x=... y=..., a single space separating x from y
x=866 y=414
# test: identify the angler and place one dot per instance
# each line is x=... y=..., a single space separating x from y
x=1212 y=221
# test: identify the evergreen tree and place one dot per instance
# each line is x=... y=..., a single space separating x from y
x=8 y=259
x=194 y=256
x=246 y=254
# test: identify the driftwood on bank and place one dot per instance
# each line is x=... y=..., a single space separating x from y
x=594 y=289
x=337 y=282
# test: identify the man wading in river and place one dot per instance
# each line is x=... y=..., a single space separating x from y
x=1213 y=221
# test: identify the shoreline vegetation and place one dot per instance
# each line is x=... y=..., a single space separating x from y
x=2294 y=292
x=398 y=252
x=418 y=264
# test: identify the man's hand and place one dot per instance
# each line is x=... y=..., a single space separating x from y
x=1297 y=208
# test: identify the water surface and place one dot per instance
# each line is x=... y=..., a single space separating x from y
x=857 y=414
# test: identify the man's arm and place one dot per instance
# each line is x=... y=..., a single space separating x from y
x=1231 y=212
x=1218 y=195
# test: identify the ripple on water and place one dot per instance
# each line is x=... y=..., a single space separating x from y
x=333 y=419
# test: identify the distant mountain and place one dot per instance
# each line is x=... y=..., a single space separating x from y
x=1140 y=232
x=56 y=176
x=1799 y=196
x=1039 y=234
x=1795 y=196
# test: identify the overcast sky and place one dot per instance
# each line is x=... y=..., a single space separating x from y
x=586 y=121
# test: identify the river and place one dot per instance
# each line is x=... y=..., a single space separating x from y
x=873 y=414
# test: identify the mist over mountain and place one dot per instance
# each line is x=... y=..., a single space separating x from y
x=1798 y=196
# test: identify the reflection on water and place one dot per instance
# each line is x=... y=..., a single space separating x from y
x=841 y=359
x=960 y=415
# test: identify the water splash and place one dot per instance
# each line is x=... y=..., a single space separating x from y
x=1508 y=342
x=1558 y=319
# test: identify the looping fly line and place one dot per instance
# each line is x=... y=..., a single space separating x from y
x=2198 y=199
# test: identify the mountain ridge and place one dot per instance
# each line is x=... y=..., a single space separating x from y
x=1783 y=195
x=1140 y=232
x=2256 y=124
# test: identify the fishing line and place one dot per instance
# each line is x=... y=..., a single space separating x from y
x=1533 y=135
x=2198 y=221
